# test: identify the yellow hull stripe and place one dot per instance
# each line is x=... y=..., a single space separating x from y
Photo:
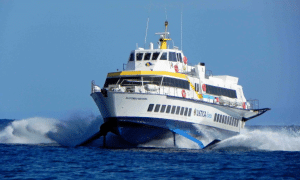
x=160 y=73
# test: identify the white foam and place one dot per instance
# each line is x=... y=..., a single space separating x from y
x=28 y=131
x=78 y=128
x=39 y=130
x=271 y=139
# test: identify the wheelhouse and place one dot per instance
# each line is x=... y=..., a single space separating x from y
x=156 y=54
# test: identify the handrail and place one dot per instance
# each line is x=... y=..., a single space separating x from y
x=254 y=103
x=93 y=85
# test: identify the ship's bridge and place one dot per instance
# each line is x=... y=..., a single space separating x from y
x=171 y=60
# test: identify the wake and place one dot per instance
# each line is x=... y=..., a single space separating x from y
x=78 y=128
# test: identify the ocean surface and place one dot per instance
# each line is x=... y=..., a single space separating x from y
x=45 y=148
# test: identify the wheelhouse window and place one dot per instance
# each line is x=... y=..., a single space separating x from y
x=139 y=56
x=155 y=55
x=172 y=56
x=179 y=57
x=147 y=56
x=164 y=56
x=131 y=57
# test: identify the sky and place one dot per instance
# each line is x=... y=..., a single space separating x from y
x=50 y=51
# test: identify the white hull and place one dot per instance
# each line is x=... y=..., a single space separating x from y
x=132 y=115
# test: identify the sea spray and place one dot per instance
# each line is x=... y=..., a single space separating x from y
x=78 y=127
x=75 y=129
x=273 y=138
x=38 y=130
x=28 y=131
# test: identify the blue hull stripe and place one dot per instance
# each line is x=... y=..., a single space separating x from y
x=183 y=133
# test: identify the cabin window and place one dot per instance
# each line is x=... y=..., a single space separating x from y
x=215 y=118
x=182 y=111
x=152 y=80
x=131 y=57
x=179 y=83
x=110 y=81
x=155 y=56
x=147 y=56
x=190 y=111
x=139 y=56
x=164 y=56
x=220 y=91
x=163 y=108
x=168 y=109
x=172 y=56
x=157 y=108
x=197 y=87
x=186 y=111
x=130 y=81
x=178 y=110
x=173 y=109
x=150 y=108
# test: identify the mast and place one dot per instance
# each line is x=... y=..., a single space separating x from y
x=164 y=37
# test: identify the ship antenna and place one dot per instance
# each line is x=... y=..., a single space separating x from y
x=166 y=13
x=146 y=32
x=181 y=30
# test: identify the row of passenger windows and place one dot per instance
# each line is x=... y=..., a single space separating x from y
x=220 y=91
x=139 y=80
x=226 y=120
x=170 y=109
x=171 y=56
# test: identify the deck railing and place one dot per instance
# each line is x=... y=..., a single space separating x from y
x=167 y=89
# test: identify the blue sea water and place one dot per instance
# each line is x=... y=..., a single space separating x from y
x=43 y=148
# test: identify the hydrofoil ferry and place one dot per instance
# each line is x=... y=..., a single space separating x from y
x=158 y=94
